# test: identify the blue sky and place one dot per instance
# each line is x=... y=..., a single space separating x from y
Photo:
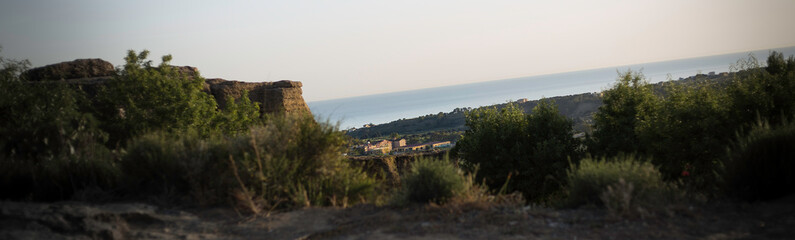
x=352 y=48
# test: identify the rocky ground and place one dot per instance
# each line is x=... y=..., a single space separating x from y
x=76 y=220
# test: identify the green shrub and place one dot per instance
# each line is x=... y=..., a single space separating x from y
x=763 y=91
x=184 y=165
x=688 y=132
x=432 y=180
x=762 y=165
x=533 y=149
x=58 y=177
x=686 y=128
x=588 y=180
x=143 y=98
x=49 y=149
x=616 y=121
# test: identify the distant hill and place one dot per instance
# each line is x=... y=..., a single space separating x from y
x=579 y=107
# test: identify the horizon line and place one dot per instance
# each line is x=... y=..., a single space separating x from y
x=553 y=73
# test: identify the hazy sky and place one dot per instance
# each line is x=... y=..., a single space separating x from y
x=351 y=48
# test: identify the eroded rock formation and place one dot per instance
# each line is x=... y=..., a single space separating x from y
x=274 y=97
x=80 y=68
x=281 y=96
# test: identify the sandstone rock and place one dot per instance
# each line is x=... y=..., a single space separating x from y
x=282 y=96
x=80 y=68
x=90 y=74
x=187 y=70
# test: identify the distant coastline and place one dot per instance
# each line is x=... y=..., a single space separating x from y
x=355 y=112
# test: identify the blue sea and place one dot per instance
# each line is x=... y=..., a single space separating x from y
x=387 y=107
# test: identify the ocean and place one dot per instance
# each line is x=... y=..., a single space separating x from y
x=387 y=107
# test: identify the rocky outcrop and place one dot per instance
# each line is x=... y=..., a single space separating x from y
x=80 y=68
x=274 y=97
x=281 y=96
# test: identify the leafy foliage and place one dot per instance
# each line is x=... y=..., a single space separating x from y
x=533 y=149
x=763 y=92
x=616 y=120
x=143 y=98
x=49 y=148
x=686 y=128
x=238 y=116
x=53 y=146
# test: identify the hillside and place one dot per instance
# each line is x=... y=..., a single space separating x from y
x=578 y=107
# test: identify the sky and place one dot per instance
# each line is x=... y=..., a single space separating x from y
x=344 y=48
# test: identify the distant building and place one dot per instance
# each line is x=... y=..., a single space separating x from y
x=440 y=144
x=383 y=146
x=424 y=146
x=399 y=143
x=413 y=147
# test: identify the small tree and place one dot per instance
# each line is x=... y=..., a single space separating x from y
x=623 y=106
x=763 y=92
x=144 y=98
x=533 y=149
x=688 y=133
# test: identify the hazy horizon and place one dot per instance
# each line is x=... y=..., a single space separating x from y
x=344 y=49
x=619 y=68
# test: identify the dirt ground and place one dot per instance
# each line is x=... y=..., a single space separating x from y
x=76 y=220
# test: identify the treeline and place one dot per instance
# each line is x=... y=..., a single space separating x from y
x=707 y=138
x=579 y=107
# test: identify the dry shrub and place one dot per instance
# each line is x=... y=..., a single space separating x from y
x=293 y=161
x=624 y=185
x=617 y=198
x=289 y=161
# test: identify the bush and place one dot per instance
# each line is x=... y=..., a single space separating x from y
x=616 y=121
x=763 y=91
x=624 y=174
x=686 y=128
x=533 y=149
x=289 y=161
x=185 y=166
x=293 y=161
x=143 y=98
x=49 y=149
x=432 y=180
x=58 y=177
x=762 y=165
x=688 y=132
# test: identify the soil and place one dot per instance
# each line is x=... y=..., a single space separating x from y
x=79 y=220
